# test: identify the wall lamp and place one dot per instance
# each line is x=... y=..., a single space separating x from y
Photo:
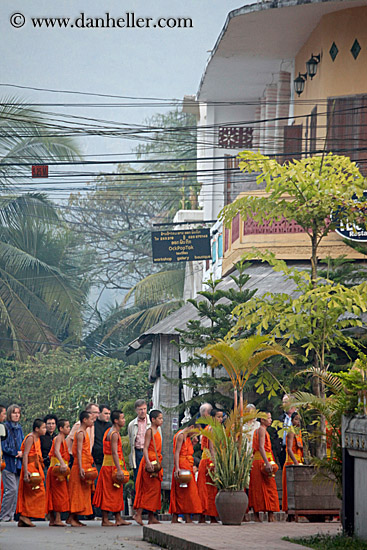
x=311 y=65
x=311 y=70
x=299 y=83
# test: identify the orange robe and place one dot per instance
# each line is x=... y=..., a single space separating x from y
x=206 y=489
x=57 y=494
x=147 y=488
x=297 y=448
x=32 y=502
x=185 y=500
x=108 y=497
x=263 y=494
x=80 y=492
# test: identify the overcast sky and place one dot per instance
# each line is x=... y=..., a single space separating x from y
x=162 y=63
x=154 y=62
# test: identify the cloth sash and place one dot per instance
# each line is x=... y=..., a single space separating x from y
x=55 y=461
x=257 y=456
x=35 y=459
x=206 y=454
x=108 y=461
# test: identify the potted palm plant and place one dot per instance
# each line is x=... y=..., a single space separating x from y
x=232 y=461
x=232 y=453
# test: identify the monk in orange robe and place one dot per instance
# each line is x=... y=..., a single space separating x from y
x=294 y=455
x=263 y=494
x=57 y=494
x=206 y=488
x=184 y=500
x=31 y=499
x=79 y=490
x=109 y=495
x=148 y=481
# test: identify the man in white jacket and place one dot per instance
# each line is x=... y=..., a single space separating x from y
x=136 y=431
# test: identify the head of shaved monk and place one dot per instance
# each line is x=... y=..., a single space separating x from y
x=63 y=426
x=39 y=426
x=267 y=420
x=86 y=418
x=156 y=417
x=118 y=418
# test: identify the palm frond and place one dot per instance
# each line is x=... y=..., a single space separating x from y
x=333 y=382
x=164 y=285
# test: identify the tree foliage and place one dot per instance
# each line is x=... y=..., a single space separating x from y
x=41 y=287
x=62 y=383
x=25 y=139
x=214 y=306
x=315 y=318
x=316 y=192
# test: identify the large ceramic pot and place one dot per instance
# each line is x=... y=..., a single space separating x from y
x=231 y=506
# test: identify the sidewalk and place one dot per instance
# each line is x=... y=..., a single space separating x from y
x=254 y=536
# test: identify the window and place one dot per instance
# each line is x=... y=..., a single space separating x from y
x=220 y=246
x=214 y=252
x=313 y=131
x=347 y=123
x=292 y=142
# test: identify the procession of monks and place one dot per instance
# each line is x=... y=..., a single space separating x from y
x=70 y=491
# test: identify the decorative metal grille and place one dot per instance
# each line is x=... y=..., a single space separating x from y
x=231 y=137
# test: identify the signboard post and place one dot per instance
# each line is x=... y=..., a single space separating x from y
x=185 y=245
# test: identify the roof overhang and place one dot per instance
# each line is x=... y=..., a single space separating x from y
x=262 y=279
x=256 y=41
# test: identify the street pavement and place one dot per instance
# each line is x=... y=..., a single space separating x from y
x=92 y=537
x=251 y=536
x=248 y=536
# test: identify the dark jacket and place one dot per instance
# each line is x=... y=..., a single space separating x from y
x=99 y=430
x=11 y=445
x=46 y=444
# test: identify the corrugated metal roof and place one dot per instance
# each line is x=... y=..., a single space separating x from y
x=262 y=277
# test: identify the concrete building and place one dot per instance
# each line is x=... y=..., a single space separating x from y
x=247 y=100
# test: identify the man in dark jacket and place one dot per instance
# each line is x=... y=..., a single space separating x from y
x=100 y=426
x=46 y=440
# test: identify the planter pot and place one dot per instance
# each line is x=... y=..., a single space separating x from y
x=231 y=506
x=309 y=498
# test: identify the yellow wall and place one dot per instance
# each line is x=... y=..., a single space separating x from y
x=345 y=76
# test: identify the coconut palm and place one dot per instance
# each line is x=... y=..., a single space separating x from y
x=154 y=297
x=40 y=293
x=39 y=296
x=27 y=138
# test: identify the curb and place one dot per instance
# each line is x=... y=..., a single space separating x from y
x=172 y=542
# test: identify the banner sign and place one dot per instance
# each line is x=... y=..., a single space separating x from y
x=353 y=232
x=181 y=246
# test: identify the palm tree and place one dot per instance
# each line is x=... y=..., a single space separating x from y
x=154 y=297
x=40 y=296
x=242 y=358
x=27 y=138
x=40 y=292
